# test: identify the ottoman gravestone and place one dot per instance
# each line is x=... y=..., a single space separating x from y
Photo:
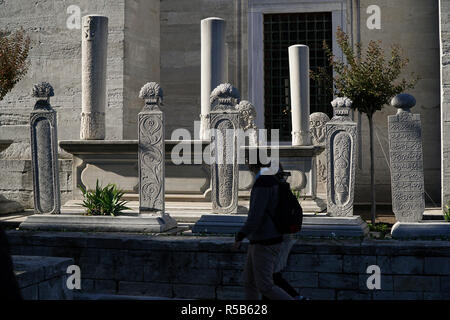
x=341 y=159
x=44 y=151
x=406 y=161
x=224 y=167
x=317 y=128
x=151 y=150
x=151 y=157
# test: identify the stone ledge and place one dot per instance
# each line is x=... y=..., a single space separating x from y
x=424 y=229
x=313 y=225
x=223 y=243
x=150 y=224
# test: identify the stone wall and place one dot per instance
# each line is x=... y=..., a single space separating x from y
x=207 y=268
x=55 y=57
x=180 y=54
x=141 y=57
x=136 y=54
x=42 y=278
x=445 y=98
x=16 y=182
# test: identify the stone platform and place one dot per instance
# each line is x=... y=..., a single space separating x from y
x=426 y=229
x=319 y=225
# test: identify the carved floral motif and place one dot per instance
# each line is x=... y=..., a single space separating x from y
x=151 y=157
x=342 y=153
x=247 y=115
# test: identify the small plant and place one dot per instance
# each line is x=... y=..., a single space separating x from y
x=296 y=193
x=382 y=228
x=103 y=201
x=447 y=212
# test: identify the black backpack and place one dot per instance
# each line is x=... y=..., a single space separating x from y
x=288 y=215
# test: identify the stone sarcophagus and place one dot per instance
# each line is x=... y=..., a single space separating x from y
x=341 y=159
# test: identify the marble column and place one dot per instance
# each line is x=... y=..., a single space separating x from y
x=341 y=144
x=406 y=157
x=44 y=152
x=224 y=149
x=299 y=85
x=213 y=66
x=93 y=76
x=444 y=23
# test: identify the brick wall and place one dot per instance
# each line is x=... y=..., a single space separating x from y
x=206 y=267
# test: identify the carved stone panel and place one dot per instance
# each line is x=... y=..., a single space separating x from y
x=224 y=169
x=341 y=146
x=44 y=152
x=407 y=180
x=317 y=122
x=151 y=161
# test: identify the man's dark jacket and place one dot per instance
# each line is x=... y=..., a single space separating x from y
x=259 y=227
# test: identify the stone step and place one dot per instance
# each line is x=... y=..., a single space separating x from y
x=318 y=225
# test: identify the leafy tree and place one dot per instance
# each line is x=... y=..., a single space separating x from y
x=369 y=79
x=14 y=49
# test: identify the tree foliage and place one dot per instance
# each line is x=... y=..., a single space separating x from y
x=14 y=49
x=367 y=78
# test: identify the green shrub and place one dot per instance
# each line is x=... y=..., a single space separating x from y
x=103 y=201
x=296 y=193
x=447 y=212
x=382 y=228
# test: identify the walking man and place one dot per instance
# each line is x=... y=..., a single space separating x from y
x=265 y=240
